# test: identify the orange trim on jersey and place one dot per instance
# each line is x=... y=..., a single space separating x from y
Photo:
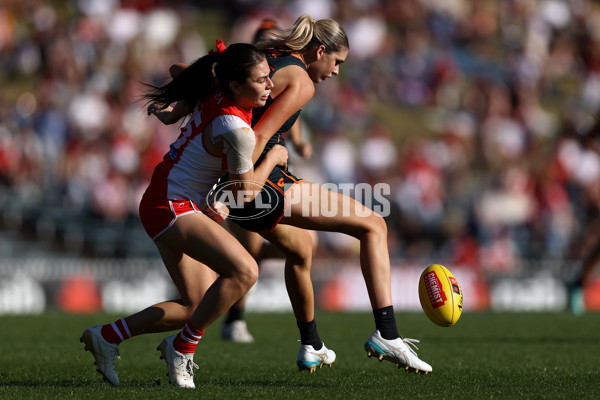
x=291 y=177
x=275 y=186
x=273 y=53
x=299 y=57
x=279 y=189
x=278 y=219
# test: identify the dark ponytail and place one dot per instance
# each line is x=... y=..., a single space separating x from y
x=192 y=85
x=197 y=81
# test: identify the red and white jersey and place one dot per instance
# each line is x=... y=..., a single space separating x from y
x=189 y=170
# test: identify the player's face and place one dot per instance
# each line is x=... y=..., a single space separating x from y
x=327 y=65
x=255 y=91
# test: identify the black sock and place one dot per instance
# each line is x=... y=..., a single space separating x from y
x=235 y=314
x=309 y=334
x=385 y=322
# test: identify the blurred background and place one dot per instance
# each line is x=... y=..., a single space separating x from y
x=479 y=114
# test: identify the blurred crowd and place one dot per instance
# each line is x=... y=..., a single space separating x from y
x=479 y=114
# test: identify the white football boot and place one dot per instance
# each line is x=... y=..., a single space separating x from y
x=236 y=332
x=397 y=351
x=309 y=358
x=181 y=366
x=104 y=353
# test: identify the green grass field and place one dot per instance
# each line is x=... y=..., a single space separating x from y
x=506 y=356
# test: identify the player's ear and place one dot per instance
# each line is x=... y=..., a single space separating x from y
x=235 y=87
x=320 y=51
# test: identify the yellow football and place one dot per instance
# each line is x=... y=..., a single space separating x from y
x=440 y=295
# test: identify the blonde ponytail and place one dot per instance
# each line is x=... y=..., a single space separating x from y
x=305 y=32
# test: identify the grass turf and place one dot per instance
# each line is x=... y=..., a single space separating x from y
x=506 y=356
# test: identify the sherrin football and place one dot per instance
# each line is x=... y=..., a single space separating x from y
x=440 y=295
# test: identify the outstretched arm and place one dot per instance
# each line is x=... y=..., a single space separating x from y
x=294 y=89
x=304 y=148
x=168 y=115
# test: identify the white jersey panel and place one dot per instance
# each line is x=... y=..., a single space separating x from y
x=196 y=171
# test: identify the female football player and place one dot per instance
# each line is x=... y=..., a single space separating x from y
x=300 y=57
x=174 y=212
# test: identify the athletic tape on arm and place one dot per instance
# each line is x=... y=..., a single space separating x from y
x=238 y=144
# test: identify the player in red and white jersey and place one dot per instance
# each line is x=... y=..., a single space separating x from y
x=234 y=326
x=211 y=269
x=217 y=138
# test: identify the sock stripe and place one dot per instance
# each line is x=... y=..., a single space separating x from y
x=197 y=335
x=117 y=331
x=187 y=339
x=125 y=328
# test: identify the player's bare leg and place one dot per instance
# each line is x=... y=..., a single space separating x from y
x=206 y=242
x=352 y=218
x=191 y=278
x=297 y=246
x=234 y=326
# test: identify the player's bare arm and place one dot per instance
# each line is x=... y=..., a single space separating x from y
x=291 y=92
x=168 y=115
x=254 y=179
x=304 y=148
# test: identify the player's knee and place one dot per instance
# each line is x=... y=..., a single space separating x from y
x=377 y=225
x=300 y=250
x=189 y=303
x=189 y=309
x=246 y=272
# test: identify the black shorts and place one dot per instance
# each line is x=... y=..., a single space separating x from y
x=266 y=210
